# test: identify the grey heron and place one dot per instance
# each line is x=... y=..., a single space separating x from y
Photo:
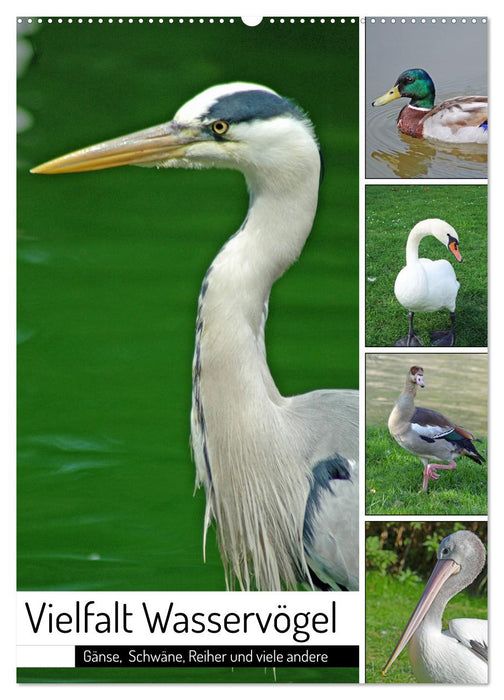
x=280 y=473
x=460 y=654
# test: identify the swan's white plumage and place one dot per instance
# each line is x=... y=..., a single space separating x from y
x=424 y=284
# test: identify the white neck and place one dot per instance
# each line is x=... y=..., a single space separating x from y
x=421 y=230
x=238 y=416
x=427 y=227
x=239 y=281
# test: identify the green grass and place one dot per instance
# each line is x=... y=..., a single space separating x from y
x=391 y=212
x=394 y=481
x=274 y=677
x=389 y=603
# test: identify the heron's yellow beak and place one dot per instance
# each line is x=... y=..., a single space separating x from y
x=147 y=147
x=392 y=94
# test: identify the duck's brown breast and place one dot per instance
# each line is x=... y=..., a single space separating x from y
x=410 y=121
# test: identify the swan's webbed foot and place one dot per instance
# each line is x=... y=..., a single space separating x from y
x=409 y=341
x=445 y=338
x=442 y=338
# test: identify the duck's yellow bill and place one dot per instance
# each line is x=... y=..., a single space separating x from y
x=392 y=94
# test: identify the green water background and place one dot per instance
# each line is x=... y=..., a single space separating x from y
x=109 y=269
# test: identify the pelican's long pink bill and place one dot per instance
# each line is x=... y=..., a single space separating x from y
x=442 y=571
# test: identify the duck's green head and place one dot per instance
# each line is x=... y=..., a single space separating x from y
x=414 y=83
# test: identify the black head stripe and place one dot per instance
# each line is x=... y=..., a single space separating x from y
x=251 y=104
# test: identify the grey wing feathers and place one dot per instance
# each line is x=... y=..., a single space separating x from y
x=331 y=527
x=480 y=649
x=329 y=421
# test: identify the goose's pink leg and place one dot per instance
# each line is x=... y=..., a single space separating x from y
x=430 y=472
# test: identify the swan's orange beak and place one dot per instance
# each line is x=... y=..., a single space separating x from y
x=454 y=248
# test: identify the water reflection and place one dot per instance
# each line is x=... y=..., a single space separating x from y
x=392 y=153
x=429 y=159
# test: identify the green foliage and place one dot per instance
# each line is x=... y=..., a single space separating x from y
x=407 y=550
x=407 y=575
x=377 y=557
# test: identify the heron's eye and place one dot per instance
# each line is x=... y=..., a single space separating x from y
x=220 y=127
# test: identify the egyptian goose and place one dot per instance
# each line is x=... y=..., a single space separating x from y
x=425 y=285
x=428 y=434
x=459 y=120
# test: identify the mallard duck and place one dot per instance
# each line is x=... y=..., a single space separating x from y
x=428 y=285
x=459 y=120
x=427 y=433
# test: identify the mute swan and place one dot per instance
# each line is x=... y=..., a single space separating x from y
x=459 y=120
x=428 y=285
x=428 y=434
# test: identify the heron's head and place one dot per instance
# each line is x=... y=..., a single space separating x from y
x=242 y=126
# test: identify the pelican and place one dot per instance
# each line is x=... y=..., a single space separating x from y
x=460 y=654
x=429 y=285
x=280 y=473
